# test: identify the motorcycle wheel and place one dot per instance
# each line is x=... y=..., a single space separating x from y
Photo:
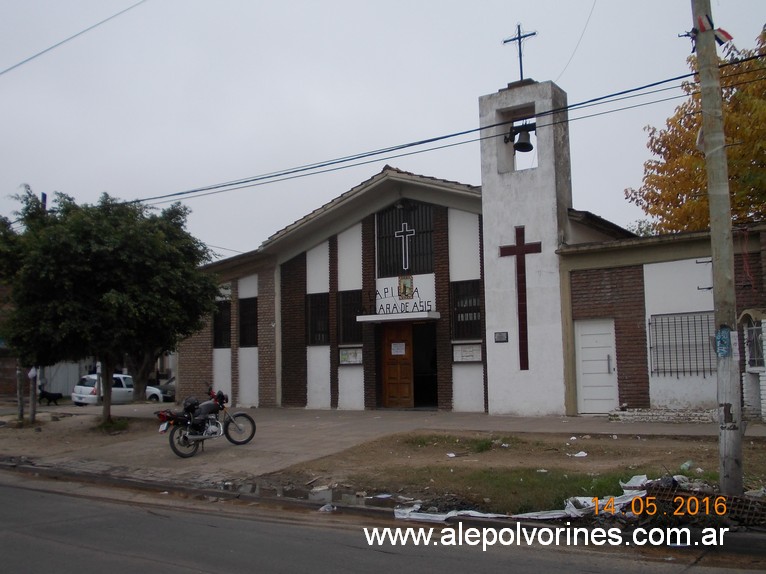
x=180 y=443
x=239 y=428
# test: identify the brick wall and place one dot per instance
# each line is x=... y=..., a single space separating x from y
x=483 y=314
x=195 y=363
x=294 y=367
x=443 y=306
x=234 y=343
x=618 y=293
x=7 y=375
x=267 y=346
x=370 y=352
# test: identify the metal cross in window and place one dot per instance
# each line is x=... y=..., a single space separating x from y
x=404 y=234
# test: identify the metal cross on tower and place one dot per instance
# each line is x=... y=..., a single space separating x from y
x=518 y=38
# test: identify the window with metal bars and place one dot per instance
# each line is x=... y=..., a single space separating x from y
x=682 y=344
x=318 y=319
x=466 y=309
x=405 y=239
x=349 y=306
x=222 y=325
x=754 y=338
x=248 y=322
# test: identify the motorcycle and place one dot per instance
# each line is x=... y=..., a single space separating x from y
x=198 y=422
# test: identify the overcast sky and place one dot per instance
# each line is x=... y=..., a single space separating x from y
x=174 y=95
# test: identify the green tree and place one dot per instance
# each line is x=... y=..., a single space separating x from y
x=108 y=280
x=674 y=186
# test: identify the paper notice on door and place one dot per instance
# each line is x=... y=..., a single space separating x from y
x=398 y=349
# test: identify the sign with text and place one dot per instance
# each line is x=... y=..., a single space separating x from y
x=409 y=294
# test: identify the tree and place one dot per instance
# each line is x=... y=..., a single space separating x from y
x=105 y=281
x=674 y=186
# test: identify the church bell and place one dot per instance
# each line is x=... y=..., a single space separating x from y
x=523 y=143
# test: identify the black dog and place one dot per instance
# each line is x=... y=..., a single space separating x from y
x=50 y=397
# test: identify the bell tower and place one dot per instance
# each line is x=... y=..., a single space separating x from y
x=524 y=212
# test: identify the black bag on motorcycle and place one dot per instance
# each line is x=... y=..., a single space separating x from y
x=205 y=409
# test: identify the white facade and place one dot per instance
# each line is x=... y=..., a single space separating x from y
x=535 y=200
x=248 y=356
x=678 y=287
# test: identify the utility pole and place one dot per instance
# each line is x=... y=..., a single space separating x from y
x=722 y=249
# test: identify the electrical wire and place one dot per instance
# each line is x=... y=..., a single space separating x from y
x=281 y=175
x=88 y=29
x=319 y=167
x=593 y=7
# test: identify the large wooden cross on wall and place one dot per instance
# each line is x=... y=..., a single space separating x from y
x=520 y=250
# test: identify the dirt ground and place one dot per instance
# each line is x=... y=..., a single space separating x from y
x=441 y=468
x=421 y=465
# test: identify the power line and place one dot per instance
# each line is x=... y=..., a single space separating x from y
x=88 y=29
x=593 y=7
x=345 y=162
x=284 y=174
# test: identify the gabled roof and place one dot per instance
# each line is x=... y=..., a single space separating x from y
x=370 y=196
x=599 y=224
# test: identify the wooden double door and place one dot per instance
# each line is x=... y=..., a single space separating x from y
x=409 y=365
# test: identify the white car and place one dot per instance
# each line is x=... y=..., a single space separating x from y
x=84 y=392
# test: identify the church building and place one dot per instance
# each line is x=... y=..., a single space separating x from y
x=409 y=291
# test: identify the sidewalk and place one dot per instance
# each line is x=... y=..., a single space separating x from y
x=284 y=437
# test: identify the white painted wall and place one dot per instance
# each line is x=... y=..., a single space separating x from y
x=350 y=258
x=351 y=387
x=468 y=388
x=61 y=377
x=679 y=287
x=248 y=377
x=221 y=371
x=248 y=286
x=248 y=356
x=533 y=198
x=464 y=252
x=318 y=269
x=318 y=379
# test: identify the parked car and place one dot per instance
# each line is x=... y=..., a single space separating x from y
x=84 y=392
x=168 y=389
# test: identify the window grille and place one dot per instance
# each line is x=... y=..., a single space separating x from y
x=222 y=325
x=248 y=322
x=754 y=338
x=682 y=344
x=317 y=319
x=349 y=306
x=466 y=309
x=419 y=218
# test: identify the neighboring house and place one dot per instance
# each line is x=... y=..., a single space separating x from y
x=410 y=291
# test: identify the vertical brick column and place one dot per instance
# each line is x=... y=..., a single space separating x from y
x=195 y=363
x=369 y=349
x=444 y=307
x=294 y=367
x=267 y=338
x=234 y=342
x=333 y=318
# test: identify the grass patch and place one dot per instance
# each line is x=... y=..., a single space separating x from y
x=501 y=490
x=113 y=426
x=461 y=443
